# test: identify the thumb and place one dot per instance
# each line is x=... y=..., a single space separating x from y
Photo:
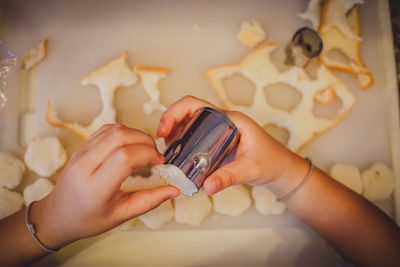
x=143 y=201
x=232 y=173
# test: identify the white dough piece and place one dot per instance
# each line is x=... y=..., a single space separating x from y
x=265 y=201
x=36 y=55
x=45 y=156
x=10 y=202
x=161 y=145
x=232 y=201
x=38 y=190
x=176 y=177
x=192 y=210
x=159 y=216
x=11 y=170
x=378 y=182
x=312 y=13
x=250 y=34
x=348 y=176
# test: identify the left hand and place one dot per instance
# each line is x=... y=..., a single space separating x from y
x=87 y=199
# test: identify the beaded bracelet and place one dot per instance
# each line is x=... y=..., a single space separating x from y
x=32 y=230
x=306 y=178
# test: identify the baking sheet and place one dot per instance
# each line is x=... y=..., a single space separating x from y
x=84 y=35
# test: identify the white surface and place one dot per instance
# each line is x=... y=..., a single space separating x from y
x=85 y=34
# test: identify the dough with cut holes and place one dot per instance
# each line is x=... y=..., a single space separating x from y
x=108 y=79
x=10 y=202
x=11 y=170
x=347 y=175
x=192 y=210
x=265 y=201
x=378 y=182
x=38 y=190
x=232 y=201
x=340 y=31
x=301 y=121
x=45 y=155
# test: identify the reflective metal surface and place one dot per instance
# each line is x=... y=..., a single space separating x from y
x=202 y=145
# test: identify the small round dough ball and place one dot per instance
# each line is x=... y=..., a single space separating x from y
x=232 y=201
x=159 y=216
x=265 y=201
x=10 y=202
x=38 y=190
x=347 y=175
x=45 y=156
x=192 y=210
x=11 y=170
x=378 y=182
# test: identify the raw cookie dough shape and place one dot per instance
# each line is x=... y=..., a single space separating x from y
x=340 y=30
x=108 y=78
x=301 y=123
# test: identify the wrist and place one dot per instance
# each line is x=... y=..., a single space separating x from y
x=48 y=230
x=293 y=171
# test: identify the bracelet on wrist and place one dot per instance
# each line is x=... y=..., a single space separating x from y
x=32 y=230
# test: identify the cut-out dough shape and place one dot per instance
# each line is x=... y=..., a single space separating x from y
x=301 y=123
x=36 y=55
x=108 y=78
x=340 y=30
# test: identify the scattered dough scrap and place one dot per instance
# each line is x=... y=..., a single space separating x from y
x=325 y=97
x=232 y=201
x=312 y=14
x=11 y=170
x=10 y=202
x=38 y=190
x=108 y=78
x=45 y=156
x=36 y=55
x=340 y=30
x=176 y=177
x=150 y=76
x=378 y=182
x=250 y=34
x=348 y=176
x=265 y=201
x=301 y=122
x=192 y=210
x=159 y=216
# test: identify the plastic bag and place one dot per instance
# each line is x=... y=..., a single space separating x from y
x=7 y=62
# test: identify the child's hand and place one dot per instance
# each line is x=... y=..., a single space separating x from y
x=259 y=158
x=87 y=200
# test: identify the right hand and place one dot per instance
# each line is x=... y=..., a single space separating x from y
x=259 y=158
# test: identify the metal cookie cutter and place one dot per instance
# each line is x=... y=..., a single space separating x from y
x=199 y=149
x=306 y=44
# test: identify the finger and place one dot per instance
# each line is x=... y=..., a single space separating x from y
x=143 y=201
x=91 y=141
x=177 y=112
x=232 y=173
x=112 y=139
x=121 y=163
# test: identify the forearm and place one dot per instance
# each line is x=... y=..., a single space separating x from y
x=359 y=230
x=17 y=246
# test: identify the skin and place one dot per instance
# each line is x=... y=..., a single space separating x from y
x=355 y=227
x=87 y=201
